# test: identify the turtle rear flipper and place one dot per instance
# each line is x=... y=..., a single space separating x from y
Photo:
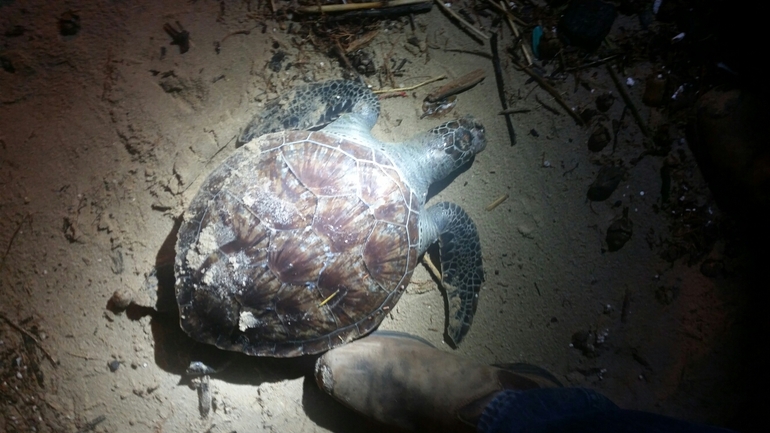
x=311 y=107
x=461 y=269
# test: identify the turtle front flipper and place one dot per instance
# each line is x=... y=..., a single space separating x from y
x=311 y=107
x=461 y=269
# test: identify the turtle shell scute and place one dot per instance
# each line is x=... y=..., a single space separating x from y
x=299 y=242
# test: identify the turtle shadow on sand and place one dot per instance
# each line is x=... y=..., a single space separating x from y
x=174 y=349
x=441 y=184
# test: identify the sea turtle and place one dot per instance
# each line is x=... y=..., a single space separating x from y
x=302 y=240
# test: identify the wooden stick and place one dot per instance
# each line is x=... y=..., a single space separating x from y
x=546 y=106
x=431 y=267
x=552 y=91
x=501 y=88
x=515 y=30
x=329 y=298
x=91 y=425
x=54 y=362
x=343 y=58
x=237 y=32
x=86 y=357
x=456 y=86
x=497 y=202
x=361 y=42
x=507 y=12
x=13 y=238
x=514 y=111
x=406 y=89
x=460 y=19
x=629 y=103
x=320 y=9
x=471 y=52
x=594 y=63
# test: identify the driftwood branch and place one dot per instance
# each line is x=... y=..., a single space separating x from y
x=456 y=86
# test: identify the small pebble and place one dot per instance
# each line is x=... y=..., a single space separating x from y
x=122 y=298
x=114 y=365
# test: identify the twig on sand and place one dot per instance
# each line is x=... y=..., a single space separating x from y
x=552 y=91
x=406 y=89
x=546 y=106
x=507 y=13
x=321 y=9
x=629 y=103
x=360 y=42
x=464 y=23
x=13 y=238
x=431 y=267
x=501 y=88
x=594 y=63
x=27 y=334
x=514 y=111
x=510 y=18
x=91 y=425
x=497 y=202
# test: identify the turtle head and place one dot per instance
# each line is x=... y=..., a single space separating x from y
x=454 y=143
x=461 y=138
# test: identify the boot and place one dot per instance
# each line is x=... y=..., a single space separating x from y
x=403 y=381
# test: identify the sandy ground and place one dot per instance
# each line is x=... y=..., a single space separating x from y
x=104 y=140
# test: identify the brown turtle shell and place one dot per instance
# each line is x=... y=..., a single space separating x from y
x=299 y=242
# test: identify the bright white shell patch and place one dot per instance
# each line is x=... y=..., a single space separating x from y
x=207 y=244
x=247 y=320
